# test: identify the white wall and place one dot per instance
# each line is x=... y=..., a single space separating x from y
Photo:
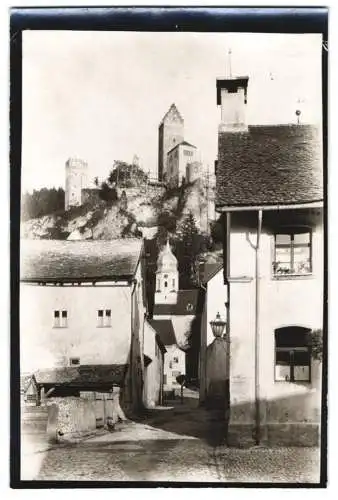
x=41 y=345
x=216 y=298
x=153 y=372
x=284 y=301
x=173 y=352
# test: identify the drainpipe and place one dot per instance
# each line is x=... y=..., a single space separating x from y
x=227 y=270
x=257 y=339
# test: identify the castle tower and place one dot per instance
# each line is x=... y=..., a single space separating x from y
x=76 y=180
x=170 y=133
x=166 y=277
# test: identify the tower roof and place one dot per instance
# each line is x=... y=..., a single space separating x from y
x=172 y=115
x=183 y=143
x=166 y=260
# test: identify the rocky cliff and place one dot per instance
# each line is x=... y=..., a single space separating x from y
x=144 y=212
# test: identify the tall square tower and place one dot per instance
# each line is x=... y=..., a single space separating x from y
x=170 y=133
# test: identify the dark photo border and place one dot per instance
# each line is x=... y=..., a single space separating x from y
x=153 y=19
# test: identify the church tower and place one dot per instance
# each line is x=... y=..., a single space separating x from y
x=170 y=133
x=166 y=277
x=76 y=180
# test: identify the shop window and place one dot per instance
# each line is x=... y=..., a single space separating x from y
x=292 y=253
x=292 y=354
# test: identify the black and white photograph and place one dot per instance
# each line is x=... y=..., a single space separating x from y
x=172 y=246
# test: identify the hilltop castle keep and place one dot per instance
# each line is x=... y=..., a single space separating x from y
x=76 y=181
x=170 y=133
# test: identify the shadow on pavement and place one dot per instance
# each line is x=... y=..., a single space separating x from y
x=188 y=419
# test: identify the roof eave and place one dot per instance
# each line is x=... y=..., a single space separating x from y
x=127 y=278
x=286 y=206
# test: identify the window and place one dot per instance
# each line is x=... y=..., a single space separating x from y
x=187 y=153
x=104 y=318
x=175 y=360
x=173 y=283
x=74 y=361
x=293 y=354
x=292 y=253
x=60 y=319
x=166 y=284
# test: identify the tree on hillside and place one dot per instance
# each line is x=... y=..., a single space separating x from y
x=126 y=175
x=189 y=244
x=41 y=202
x=108 y=193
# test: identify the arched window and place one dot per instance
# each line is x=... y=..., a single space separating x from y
x=166 y=284
x=292 y=354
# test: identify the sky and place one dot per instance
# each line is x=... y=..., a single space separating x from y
x=100 y=96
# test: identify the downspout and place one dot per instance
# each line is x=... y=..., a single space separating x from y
x=227 y=270
x=203 y=348
x=227 y=305
x=257 y=333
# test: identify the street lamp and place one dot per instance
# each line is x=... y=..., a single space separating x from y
x=217 y=326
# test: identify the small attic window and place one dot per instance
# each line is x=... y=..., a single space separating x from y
x=190 y=307
x=74 y=361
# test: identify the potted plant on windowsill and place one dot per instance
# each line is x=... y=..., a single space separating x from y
x=316 y=342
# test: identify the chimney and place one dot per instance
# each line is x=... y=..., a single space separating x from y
x=232 y=97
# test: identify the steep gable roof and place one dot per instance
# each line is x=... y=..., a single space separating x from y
x=48 y=260
x=172 y=115
x=269 y=165
x=186 y=305
x=209 y=270
x=164 y=329
x=183 y=143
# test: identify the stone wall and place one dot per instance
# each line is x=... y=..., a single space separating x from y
x=70 y=416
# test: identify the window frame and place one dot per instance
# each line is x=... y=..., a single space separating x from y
x=291 y=350
x=60 y=318
x=292 y=231
x=104 y=319
x=73 y=359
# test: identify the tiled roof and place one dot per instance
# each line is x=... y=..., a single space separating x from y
x=82 y=376
x=186 y=305
x=164 y=329
x=183 y=143
x=25 y=381
x=209 y=270
x=48 y=260
x=269 y=165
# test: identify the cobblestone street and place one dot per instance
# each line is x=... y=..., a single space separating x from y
x=177 y=460
x=169 y=445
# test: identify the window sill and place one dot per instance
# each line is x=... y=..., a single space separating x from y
x=104 y=326
x=286 y=277
x=60 y=327
x=295 y=382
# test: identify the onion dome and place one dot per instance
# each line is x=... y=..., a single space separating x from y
x=166 y=260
